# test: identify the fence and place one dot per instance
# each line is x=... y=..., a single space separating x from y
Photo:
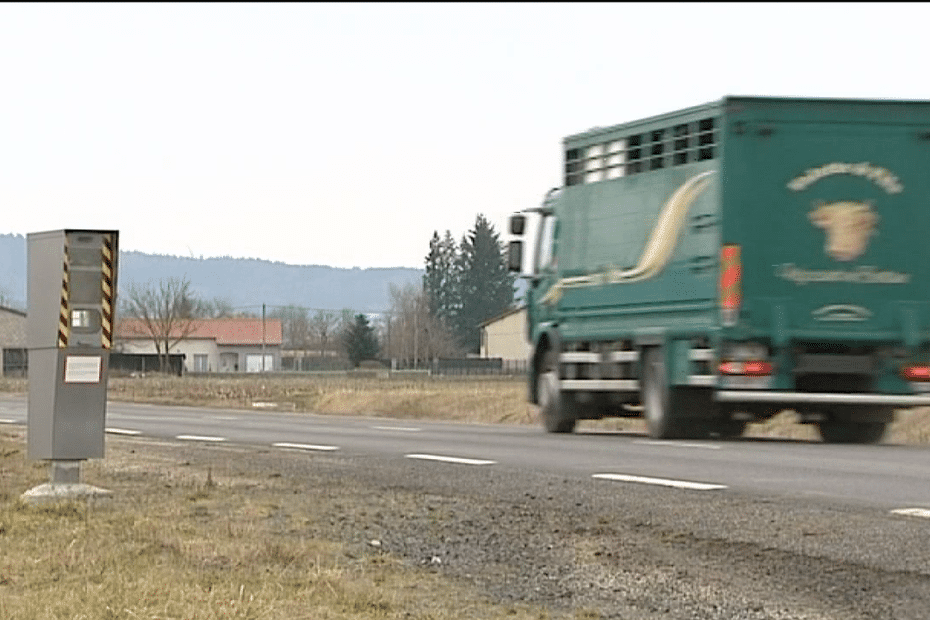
x=463 y=366
x=128 y=363
x=312 y=364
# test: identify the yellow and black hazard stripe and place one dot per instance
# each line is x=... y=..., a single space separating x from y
x=106 y=314
x=64 y=318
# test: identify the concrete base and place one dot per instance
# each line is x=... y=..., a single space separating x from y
x=65 y=472
x=64 y=484
x=58 y=491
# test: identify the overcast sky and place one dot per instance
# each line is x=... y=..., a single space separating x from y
x=346 y=134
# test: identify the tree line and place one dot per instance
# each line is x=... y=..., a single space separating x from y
x=464 y=285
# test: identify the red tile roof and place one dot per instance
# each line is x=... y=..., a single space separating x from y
x=236 y=331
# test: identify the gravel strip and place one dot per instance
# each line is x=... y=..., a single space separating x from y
x=594 y=548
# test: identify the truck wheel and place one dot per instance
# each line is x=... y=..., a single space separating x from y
x=556 y=406
x=833 y=431
x=659 y=397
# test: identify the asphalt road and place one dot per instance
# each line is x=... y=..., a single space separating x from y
x=890 y=478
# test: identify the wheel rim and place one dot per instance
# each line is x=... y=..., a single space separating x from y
x=545 y=393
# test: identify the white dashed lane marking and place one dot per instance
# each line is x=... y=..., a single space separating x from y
x=676 y=444
x=122 y=431
x=449 y=459
x=304 y=446
x=664 y=482
x=402 y=429
x=923 y=513
x=200 y=438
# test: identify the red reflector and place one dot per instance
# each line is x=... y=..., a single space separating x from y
x=916 y=373
x=753 y=369
x=730 y=277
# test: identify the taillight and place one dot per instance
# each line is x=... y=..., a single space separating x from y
x=753 y=368
x=916 y=373
x=730 y=279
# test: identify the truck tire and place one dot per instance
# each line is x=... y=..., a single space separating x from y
x=556 y=407
x=836 y=431
x=659 y=398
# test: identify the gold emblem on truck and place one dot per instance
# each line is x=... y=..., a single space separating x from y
x=848 y=226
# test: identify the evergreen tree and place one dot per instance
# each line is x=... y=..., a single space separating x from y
x=442 y=279
x=486 y=286
x=360 y=340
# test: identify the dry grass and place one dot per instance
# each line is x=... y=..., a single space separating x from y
x=181 y=542
x=479 y=400
x=13 y=386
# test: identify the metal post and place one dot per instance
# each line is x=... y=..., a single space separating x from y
x=263 y=338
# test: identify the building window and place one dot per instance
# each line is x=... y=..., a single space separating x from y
x=14 y=363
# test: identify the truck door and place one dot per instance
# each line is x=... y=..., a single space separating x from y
x=831 y=219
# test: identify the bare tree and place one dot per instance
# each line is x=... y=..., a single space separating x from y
x=412 y=332
x=296 y=331
x=295 y=325
x=217 y=308
x=323 y=325
x=167 y=311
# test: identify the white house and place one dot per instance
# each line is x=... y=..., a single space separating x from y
x=504 y=336
x=12 y=342
x=242 y=344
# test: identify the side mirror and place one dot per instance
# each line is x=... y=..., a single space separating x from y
x=515 y=256
x=517 y=224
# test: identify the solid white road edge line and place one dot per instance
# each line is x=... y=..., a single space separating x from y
x=304 y=446
x=678 y=484
x=449 y=459
x=912 y=512
x=199 y=438
x=122 y=431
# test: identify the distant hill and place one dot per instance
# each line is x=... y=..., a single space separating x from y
x=245 y=283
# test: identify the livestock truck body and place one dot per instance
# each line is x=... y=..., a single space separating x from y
x=719 y=264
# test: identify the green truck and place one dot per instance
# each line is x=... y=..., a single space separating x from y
x=716 y=265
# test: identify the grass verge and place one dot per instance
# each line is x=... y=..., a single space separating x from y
x=182 y=541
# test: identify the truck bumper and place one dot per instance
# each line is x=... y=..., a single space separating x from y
x=808 y=398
